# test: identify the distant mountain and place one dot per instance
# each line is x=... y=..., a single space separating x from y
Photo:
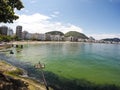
x=112 y=39
x=76 y=34
x=55 y=33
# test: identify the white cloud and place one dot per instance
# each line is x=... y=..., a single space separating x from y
x=103 y=36
x=35 y=18
x=55 y=14
x=72 y=28
x=41 y=23
x=38 y=23
x=25 y=10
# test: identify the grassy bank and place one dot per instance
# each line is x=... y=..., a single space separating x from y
x=11 y=79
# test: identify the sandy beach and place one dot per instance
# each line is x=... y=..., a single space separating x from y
x=7 y=45
x=40 y=42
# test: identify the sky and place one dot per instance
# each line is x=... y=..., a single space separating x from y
x=97 y=18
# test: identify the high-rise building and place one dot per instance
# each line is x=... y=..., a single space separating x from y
x=10 y=32
x=19 y=32
x=3 y=30
x=24 y=35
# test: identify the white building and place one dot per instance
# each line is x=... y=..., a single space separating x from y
x=10 y=32
x=91 y=39
x=36 y=36
x=71 y=38
x=41 y=37
x=24 y=33
x=29 y=36
x=56 y=38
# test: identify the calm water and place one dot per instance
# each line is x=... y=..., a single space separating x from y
x=99 y=63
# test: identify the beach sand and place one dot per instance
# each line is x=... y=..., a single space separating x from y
x=40 y=42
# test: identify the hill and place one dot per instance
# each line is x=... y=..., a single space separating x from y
x=112 y=39
x=76 y=34
x=55 y=33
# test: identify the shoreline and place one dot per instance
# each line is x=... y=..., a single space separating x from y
x=49 y=42
x=41 y=42
x=6 y=45
x=12 y=74
x=10 y=44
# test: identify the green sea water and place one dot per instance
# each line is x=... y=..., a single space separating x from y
x=98 y=63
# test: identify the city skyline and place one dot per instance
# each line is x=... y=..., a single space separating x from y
x=97 y=18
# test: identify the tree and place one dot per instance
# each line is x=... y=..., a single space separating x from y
x=7 y=13
x=5 y=38
x=76 y=34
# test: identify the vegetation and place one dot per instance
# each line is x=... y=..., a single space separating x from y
x=55 y=33
x=112 y=39
x=5 y=38
x=60 y=83
x=16 y=72
x=7 y=13
x=76 y=34
x=10 y=79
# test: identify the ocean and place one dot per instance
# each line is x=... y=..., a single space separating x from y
x=97 y=63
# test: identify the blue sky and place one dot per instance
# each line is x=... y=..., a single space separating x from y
x=97 y=18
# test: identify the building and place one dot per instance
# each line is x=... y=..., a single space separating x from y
x=29 y=36
x=71 y=38
x=24 y=35
x=41 y=37
x=57 y=38
x=37 y=36
x=3 y=30
x=47 y=37
x=19 y=32
x=91 y=39
x=10 y=32
x=82 y=40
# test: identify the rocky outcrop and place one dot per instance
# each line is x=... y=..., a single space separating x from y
x=8 y=83
x=11 y=78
